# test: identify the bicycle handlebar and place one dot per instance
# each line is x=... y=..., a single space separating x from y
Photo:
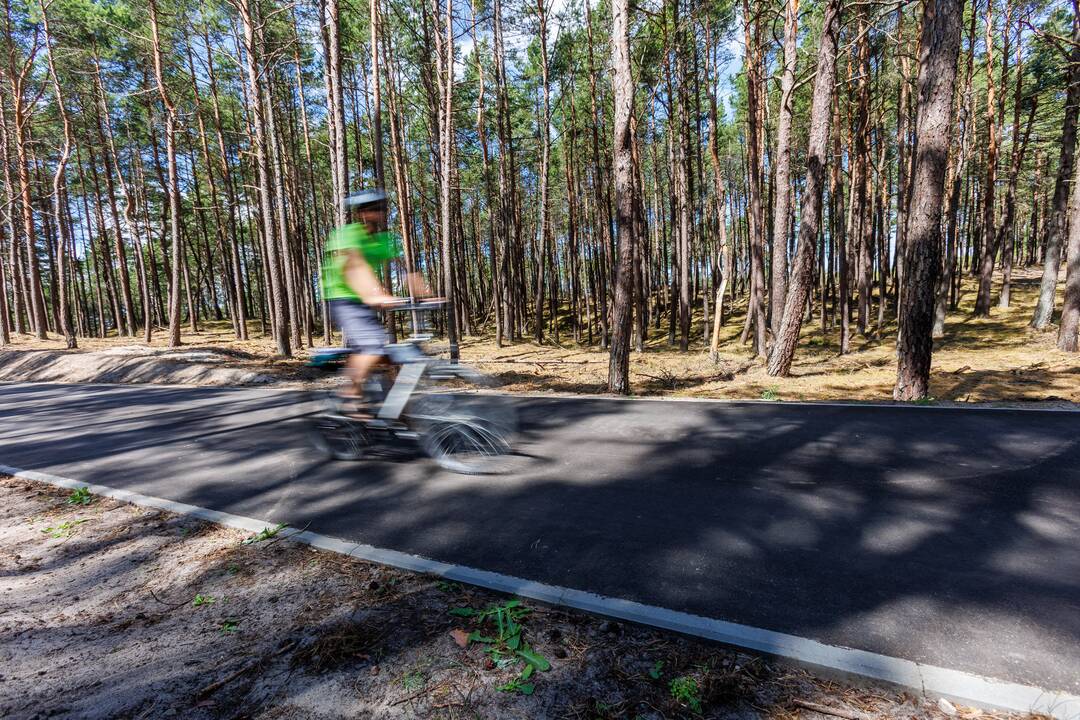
x=410 y=304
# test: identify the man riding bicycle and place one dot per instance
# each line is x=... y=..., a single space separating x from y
x=355 y=253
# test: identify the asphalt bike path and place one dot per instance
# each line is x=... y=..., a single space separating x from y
x=941 y=536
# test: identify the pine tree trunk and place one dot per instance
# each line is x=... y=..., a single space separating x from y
x=787 y=338
x=173 y=188
x=273 y=262
x=625 y=194
x=446 y=158
x=104 y=129
x=1056 y=219
x=545 y=154
x=782 y=184
x=59 y=194
x=938 y=53
x=1070 y=309
x=988 y=252
x=756 y=308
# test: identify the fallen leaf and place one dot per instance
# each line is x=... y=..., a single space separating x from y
x=460 y=637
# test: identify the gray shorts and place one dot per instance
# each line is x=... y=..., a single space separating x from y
x=360 y=326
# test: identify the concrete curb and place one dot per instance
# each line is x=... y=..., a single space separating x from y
x=963 y=687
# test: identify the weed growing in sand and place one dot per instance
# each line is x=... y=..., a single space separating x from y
x=265 y=534
x=928 y=400
x=64 y=529
x=687 y=692
x=201 y=600
x=80 y=496
x=771 y=393
x=412 y=680
x=229 y=626
x=506 y=648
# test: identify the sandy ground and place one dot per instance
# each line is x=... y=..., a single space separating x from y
x=996 y=360
x=112 y=610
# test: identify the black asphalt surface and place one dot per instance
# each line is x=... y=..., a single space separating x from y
x=950 y=537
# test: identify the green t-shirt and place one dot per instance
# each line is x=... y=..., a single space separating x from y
x=376 y=249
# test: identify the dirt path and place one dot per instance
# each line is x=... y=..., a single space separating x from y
x=112 y=610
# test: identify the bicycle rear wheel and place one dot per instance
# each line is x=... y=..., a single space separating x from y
x=337 y=436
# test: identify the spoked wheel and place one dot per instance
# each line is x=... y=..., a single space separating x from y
x=335 y=435
x=465 y=433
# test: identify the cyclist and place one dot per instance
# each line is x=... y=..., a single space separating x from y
x=354 y=255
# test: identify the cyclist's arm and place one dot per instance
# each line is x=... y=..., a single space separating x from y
x=363 y=281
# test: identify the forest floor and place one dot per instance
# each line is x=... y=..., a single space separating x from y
x=114 y=610
x=996 y=360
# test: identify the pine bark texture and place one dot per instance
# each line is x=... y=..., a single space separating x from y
x=787 y=336
x=939 y=49
x=619 y=356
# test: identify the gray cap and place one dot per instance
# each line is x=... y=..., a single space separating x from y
x=365 y=198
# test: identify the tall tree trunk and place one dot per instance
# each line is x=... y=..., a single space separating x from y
x=545 y=154
x=783 y=351
x=59 y=193
x=988 y=252
x=625 y=194
x=104 y=128
x=1070 y=309
x=938 y=53
x=756 y=308
x=339 y=160
x=1005 y=232
x=17 y=75
x=1056 y=221
x=602 y=208
x=173 y=189
x=264 y=171
x=446 y=159
x=782 y=184
x=230 y=196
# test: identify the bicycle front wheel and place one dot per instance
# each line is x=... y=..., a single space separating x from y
x=462 y=430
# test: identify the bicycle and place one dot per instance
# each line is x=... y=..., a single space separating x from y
x=419 y=400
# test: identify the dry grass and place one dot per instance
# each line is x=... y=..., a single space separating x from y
x=986 y=360
x=996 y=359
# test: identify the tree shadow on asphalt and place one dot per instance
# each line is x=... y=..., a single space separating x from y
x=927 y=534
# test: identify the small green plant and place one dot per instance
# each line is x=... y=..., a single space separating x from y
x=686 y=691
x=771 y=393
x=412 y=680
x=926 y=400
x=265 y=534
x=64 y=529
x=233 y=569
x=201 y=600
x=448 y=587
x=656 y=670
x=506 y=647
x=517 y=685
x=229 y=626
x=80 y=496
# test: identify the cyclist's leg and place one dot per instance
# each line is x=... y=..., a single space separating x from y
x=364 y=336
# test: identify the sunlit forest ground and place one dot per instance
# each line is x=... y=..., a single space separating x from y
x=996 y=359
